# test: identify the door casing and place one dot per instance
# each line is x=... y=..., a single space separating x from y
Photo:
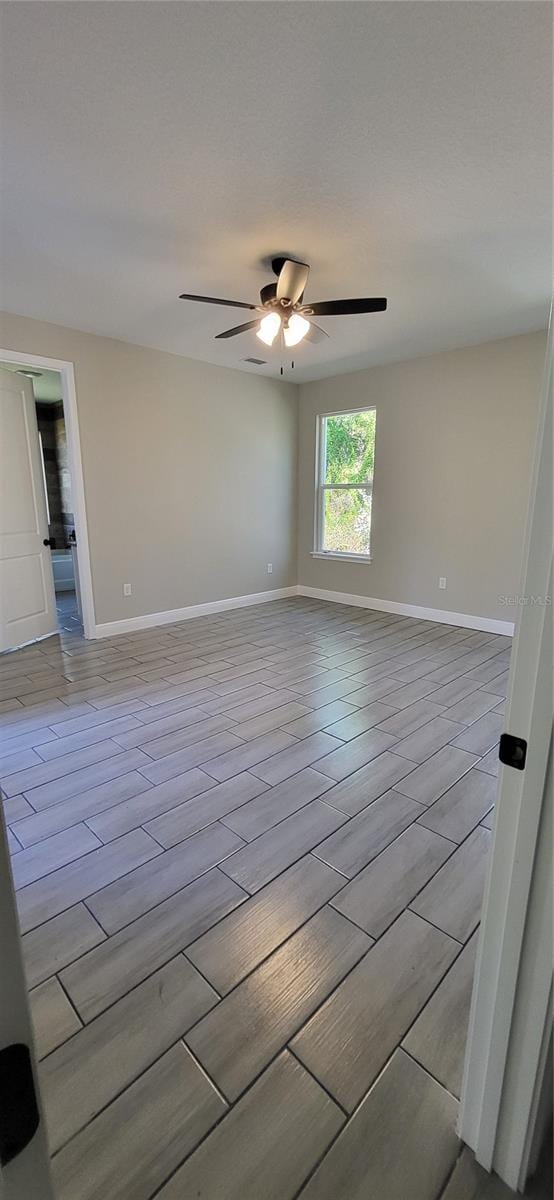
x=69 y=396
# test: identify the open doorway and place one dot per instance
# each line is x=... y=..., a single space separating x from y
x=56 y=475
x=52 y=428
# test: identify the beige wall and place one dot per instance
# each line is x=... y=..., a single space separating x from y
x=190 y=473
x=189 y=470
x=454 y=442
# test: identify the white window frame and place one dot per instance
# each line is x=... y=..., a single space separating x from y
x=321 y=487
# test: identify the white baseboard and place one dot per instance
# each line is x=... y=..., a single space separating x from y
x=171 y=616
x=465 y=620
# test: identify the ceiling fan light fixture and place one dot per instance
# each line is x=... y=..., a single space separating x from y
x=269 y=328
x=295 y=329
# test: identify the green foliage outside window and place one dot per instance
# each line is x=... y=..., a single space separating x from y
x=349 y=456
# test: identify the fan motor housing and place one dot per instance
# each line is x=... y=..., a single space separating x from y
x=268 y=293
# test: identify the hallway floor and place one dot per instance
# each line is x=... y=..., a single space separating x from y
x=250 y=852
x=69 y=620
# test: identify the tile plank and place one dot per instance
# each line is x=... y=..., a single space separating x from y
x=44 y=773
x=17 y=761
x=275 y=804
x=368 y=783
x=276 y=718
x=417 y=689
x=365 y=836
x=248 y=755
x=379 y=893
x=435 y=776
x=52 y=1017
x=243 y=1033
x=132 y=1147
x=16 y=808
x=452 y=900
x=111 y=969
x=462 y=807
x=420 y=745
x=355 y=754
x=192 y=756
x=385 y=1150
x=260 y=861
x=82 y=1076
x=291 y=760
x=185 y=736
x=242 y=940
x=77 y=782
x=67 y=744
x=58 y=942
x=333 y=691
x=78 y=808
x=473 y=706
x=319 y=719
x=120 y=902
x=286 y=1120
x=157 y=799
x=361 y=720
x=46 y=897
x=223 y=798
x=489 y=763
x=438 y=1038
x=54 y=852
x=96 y=717
x=382 y=687
x=482 y=735
x=407 y=720
x=348 y=1040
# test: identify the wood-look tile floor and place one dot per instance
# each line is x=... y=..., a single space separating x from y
x=249 y=852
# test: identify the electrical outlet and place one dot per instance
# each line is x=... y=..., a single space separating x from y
x=127 y=589
x=442 y=582
x=270 y=568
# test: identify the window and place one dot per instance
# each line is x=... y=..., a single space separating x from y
x=345 y=453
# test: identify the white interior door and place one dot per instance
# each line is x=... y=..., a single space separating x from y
x=27 y=599
x=511 y=1013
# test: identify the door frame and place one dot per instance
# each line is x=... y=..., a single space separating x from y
x=71 y=416
x=28 y=1174
x=509 y=1020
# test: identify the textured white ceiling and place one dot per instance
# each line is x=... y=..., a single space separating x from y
x=402 y=149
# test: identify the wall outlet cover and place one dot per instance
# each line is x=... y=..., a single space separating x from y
x=127 y=589
x=442 y=582
x=270 y=568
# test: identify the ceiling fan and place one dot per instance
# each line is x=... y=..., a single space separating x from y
x=284 y=313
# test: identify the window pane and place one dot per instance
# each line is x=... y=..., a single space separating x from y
x=347 y=520
x=349 y=446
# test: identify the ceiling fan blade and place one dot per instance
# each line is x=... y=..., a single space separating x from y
x=237 y=329
x=338 y=308
x=292 y=280
x=316 y=333
x=215 y=300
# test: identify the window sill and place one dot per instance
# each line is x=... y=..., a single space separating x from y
x=336 y=557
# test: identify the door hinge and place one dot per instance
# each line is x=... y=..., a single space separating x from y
x=512 y=751
x=19 y=1115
